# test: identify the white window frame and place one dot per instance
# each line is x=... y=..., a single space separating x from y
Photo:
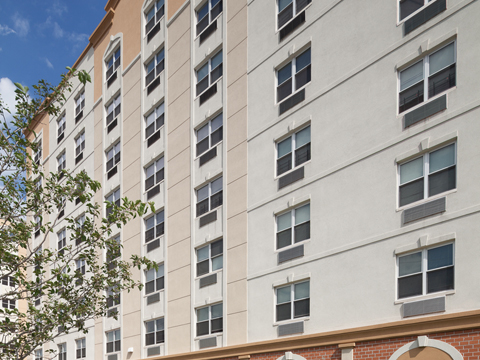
x=208 y=63
x=114 y=198
x=37 y=157
x=158 y=331
x=424 y=271
x=156 y=9
x=114 y=109
x=293 y=74
x=158 y=175
x=79 y=145
x=209 y=320
x=425 y=176
x=153 y=276
x=111 y=255
x=209 y=259
x=8 y=281
x=211 y=131
x=62 y=351
x=295 y=12
x=39 y=354
x=155 y=223
x=81 y=345
x=293 y=151
x=115 y=340
x=426 y=77
x=425 y=4
x=158 y=63
x=209 y=15
x=113 y=155
x=9 y=303
x=292 y=301
x=61 y=126
x=210 y=195
x=61 y=161
x=80 y=265
x=61 y=240
x=113 y=62
x=292 y=227
x=79 y=103
x=153 y=119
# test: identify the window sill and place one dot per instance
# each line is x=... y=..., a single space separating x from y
x=401 y=22
x=145 y=141
x=293 y=94
x=210 y=23
x=214 y=146
x=291 y=170
x=147 y=190
x=306 y=241
x=446 y=92
x=285 y=322
x=196 y=338
x=424 y=297
x=208 y=212
x=210 y=273
x=153 y=293
x=423 y=201
x=209 y=86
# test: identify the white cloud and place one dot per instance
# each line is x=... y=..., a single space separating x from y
x=49 y=64
x=21 y=25
x=1 y=49
x=57 y=31
x=7 y=93
x=58 y=8
x=5 y=30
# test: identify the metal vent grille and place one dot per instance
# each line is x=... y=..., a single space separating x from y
x=289 y=329
x=426 y=14
x=208 y=280
x=424 y=210
x=206 y=343
x=425 y=111
x=424 y=307
x=207 y=219
x=289 y=254
x=291 y=177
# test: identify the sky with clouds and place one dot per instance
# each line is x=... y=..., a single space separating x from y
x=39 y=38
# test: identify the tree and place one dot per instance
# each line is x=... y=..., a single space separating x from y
x=57 y=294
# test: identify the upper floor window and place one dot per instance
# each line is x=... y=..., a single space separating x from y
x=293 y=151
x=428 y=175
x=113 y=158
x=61 y=125
x=153 y=70
x=439 y=68
x=154 y=280
x=154 y=228
x=61 y=161
x=288 y=9
x=112 y=64
x=210 y=257
x=79 y=147
x=210 y=196
x=408 y=7
x=38 y=153
x=153 y=122
x=293 y=76
x=210 y=72
x=152 y=19
x=8 y=281
x=210 y=134
x=9 y=303
x=62 y=351
x=79 y=105
x=293 y=301
x=113 y=299
x=293 y=226
x=425 y=272
x=114 y=198
x=113 y=341
x=39 y=354
x=113 y=110
x=62 y=240
x=207 y=13
x=81 y=348
x=154 y=174
x=210 y=319
x=114 y=251
x=154 y=332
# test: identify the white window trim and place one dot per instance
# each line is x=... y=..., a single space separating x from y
x=112 y=57
x=424 y=295
x=154 y=332
x=293 y=136
x=61 y=124
x=426 y=67
x=208 y=14
x=79 y=102
x=81 y=341
x=301 y=279
x=63 y=164
x=155 y=64
x=114 y=340
x=209 y=61
x=117 y=103
x=155 y=10
x=291 y=60
x=293 y=17
x=210 y=194
x=210 y=271
x=210 y=334
x=209 y=122
x=291 y=210
x=145 y=117
x=80 y=136
x=426 y=155
x=400 y=22
x=154 y=216
x=154 y=164
x=115 y=152
x=155 y=291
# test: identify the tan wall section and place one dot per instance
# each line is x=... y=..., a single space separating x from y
x=178 y=180
x=236 y=165
x=173 y=6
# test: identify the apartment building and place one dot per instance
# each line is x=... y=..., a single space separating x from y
x=286 y=228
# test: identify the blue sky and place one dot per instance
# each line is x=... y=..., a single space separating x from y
x=39 y=38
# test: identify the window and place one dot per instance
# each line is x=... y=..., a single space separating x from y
x=154 y=280
x=210 y=319
x=38 y=154
x=153 y=122
x=39 y=354
x=207 y=13
x=155 y=67
x=210 y=134
x=62 y=351
x=288 y=83
x=293 y=225
x=80 y=266
x=113 y=252
x=113 y=158
x=79 y=147
x=80 y=223
x=293 y=151
x=154 y=332
x=408 y=7
x=288 y=9
x=113 y=110
x=8 y=281
x=153 y=17
x=112 y=64
x=61 y=125
x=61 y=161
x=81 y=348
x=62 y=241
x=8 y=303
x=114 y=198
x=113 y=341
x=154 y=174
x=428 y=175
x=210 y=258
x=425 y=272
x=210 y=72
x=38 y=225
x=293 y=301
x=440 y=67
x=154 y=229
x=210 y=196
x=113 y=299
x=79 y=105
